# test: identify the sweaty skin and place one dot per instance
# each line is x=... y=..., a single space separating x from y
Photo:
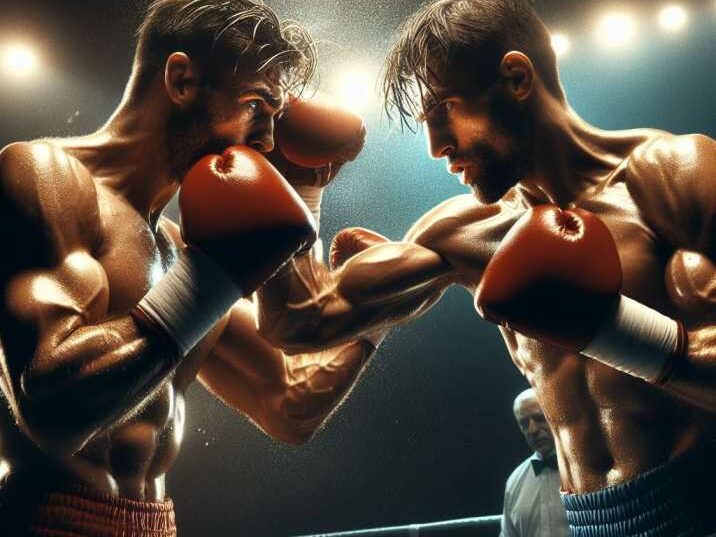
x=89 y=397
x=656 y=193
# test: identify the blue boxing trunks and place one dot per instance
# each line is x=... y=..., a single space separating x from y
x=676 y=499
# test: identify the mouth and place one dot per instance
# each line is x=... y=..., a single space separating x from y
x=466 y=174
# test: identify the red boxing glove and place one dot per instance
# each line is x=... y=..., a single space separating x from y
x=241 y=212
x=316 y=133
x=313 y=140
x=556 y=277
x=351 y=241
x=242 y=221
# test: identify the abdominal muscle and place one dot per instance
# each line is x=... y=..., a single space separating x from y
x=609 y=427
x=132 y=459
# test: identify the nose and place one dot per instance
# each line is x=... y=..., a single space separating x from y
x=532 y=428
x=262 y=139
x=440 y=142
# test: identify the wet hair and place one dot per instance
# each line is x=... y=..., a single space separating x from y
x=222 y=36
x=469 y=33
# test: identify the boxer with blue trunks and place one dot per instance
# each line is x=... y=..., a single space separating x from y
x=594 y=252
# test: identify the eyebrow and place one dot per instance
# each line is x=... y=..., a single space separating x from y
x=431 y=100
x=267 y=95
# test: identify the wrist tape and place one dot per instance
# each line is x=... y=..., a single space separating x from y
x=189 y=299
x=637 y=340
x=312 y=197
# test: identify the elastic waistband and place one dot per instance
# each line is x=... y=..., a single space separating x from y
x=675 y=499
x=78 y=511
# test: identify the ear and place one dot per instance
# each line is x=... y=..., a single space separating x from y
x=518 y=72
x=181 y=79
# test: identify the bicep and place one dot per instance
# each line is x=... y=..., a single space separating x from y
x=44 y=306
x=691 y=285
x=50 y=225
x=392 y=273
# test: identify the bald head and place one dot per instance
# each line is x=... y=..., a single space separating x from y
x=527 y=396
x=532 y=422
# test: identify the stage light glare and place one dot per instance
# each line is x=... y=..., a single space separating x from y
x=19 y=60
x=356 y=89
x=560 y=44
x=616 y=29
x=673 y=18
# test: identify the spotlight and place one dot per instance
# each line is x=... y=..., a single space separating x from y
x=19 y=60
x=616 y=29
x=673 y=18
x=560 y=44
x=356 y=89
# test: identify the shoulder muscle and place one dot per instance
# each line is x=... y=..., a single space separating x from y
x=45 y=192
x=446 y=219
x=673 y=181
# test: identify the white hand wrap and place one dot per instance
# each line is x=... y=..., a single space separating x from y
x=190 y=298
x=312 y=197
x=638 y=340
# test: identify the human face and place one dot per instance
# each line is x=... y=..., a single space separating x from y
x=479 y=133
x=534 y=426
x=241 y=112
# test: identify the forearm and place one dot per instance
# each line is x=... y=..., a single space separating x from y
x=288 y=396
x=693 y=377
x=316 y=383
x=94 y=377
x=307 y=307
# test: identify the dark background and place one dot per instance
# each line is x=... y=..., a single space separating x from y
x=428 y=433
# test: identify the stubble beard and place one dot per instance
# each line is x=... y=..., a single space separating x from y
x=498 y=172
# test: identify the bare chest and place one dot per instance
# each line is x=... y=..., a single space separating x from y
x=133 y=255
x=643 y=258
x=134 y=258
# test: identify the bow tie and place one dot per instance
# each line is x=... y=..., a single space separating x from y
x=540 y=464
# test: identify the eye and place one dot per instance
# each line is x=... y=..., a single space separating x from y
x=254 y=105
x=437 y=109
x=445 y=106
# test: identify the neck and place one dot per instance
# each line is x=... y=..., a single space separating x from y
x=130 y=155
x=569 y=156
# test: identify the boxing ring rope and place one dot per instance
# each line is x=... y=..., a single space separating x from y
x=483 y=526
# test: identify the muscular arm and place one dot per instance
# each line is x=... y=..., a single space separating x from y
x=691 y=282
x=288 y=397
x=308 y=307
x=675 y=184
x=69 y=371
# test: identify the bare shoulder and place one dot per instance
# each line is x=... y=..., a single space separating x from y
x=671 y=155
x=672 y=180
x=447 y=218
x=42 y=187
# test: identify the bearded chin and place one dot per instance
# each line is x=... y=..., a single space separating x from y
x=500 y=172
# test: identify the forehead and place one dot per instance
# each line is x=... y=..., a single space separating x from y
x=445 y=81
x=266 y=83
x=526 y=407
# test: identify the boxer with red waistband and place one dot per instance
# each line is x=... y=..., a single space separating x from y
x=110 y=310
x=594 y=251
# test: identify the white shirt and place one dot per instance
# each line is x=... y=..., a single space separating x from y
x=533 y=507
